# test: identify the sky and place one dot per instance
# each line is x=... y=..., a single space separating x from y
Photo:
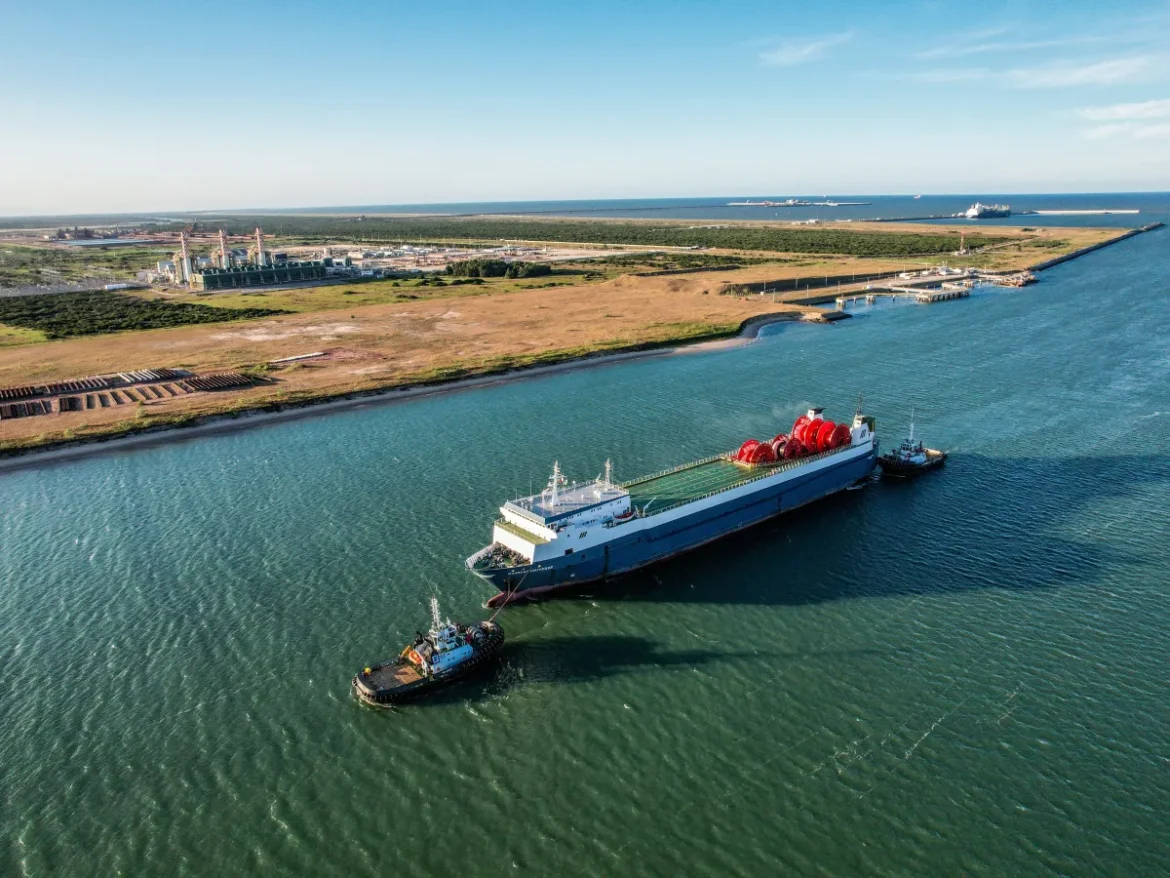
x=124 y=106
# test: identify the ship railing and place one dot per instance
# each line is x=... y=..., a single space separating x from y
x=517 y=531
x=767 y=472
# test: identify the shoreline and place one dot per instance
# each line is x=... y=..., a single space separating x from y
x=268 y=413
x=212 y=425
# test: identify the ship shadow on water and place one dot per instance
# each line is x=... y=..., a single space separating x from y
x=980 y=522
x=582 y=658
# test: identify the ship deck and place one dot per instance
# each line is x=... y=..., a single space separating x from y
x=701 y=478
x=392 y=675
x=688 y=483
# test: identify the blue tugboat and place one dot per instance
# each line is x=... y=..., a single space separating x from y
x=445 y=653
x=910 y=457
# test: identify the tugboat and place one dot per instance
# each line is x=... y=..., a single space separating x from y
x=445 y=653
x=910 y=457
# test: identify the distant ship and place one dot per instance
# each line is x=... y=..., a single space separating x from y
x=791 y=202
x=572 y=534
x=987 y=211
x=796 y=202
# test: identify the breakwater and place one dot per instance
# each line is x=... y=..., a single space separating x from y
x=1049 y=263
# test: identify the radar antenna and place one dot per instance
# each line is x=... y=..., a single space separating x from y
x=555 y=482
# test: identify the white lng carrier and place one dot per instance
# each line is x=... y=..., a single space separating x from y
x=571 y=534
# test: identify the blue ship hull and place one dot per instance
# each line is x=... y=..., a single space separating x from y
x=627 y=553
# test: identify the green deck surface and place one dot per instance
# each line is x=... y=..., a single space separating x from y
x=689 y=483
x=518 y=531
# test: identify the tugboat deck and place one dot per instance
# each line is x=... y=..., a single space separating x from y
x=393 y=675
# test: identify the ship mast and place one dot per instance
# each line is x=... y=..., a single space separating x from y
x=436 y=620
x=911 y=425
x=554 y=484
x=609 y=473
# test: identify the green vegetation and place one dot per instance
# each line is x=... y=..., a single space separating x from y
x=784 y=239
x=671 y=261
x=498 y=268
x=70 y=314
x=26 y=266
x=330 y=297
x=13 y=335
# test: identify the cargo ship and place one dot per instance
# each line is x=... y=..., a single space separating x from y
x=987 y=211
x=571 y=534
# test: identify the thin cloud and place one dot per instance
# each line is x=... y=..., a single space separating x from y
x=1142 y=110
x=792 y=53
x=1061 y=74
x=964 y=49
x=1135 y=130
x=1064 y=74
x=952 y=74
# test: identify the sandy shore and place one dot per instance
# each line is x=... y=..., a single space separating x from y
x=218 y=424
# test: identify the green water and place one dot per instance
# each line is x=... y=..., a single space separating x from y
x=961 y=675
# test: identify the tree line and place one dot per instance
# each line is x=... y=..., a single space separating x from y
x=783 y=239
x=497 y=268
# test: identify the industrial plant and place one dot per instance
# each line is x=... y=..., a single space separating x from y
x=236 y=268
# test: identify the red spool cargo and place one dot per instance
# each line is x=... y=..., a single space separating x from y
x=778 y=447
x=761 y=454
x=825 y=435
x=811 y=432
x=793 y=449
x=746 y=449
x=842 y=436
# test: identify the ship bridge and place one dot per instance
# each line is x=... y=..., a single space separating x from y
x=561 y=503
x=530 y=524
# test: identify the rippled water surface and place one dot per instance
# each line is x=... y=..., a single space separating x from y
x=963 y=674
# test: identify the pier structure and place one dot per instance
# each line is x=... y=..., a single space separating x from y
x=923 y=292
